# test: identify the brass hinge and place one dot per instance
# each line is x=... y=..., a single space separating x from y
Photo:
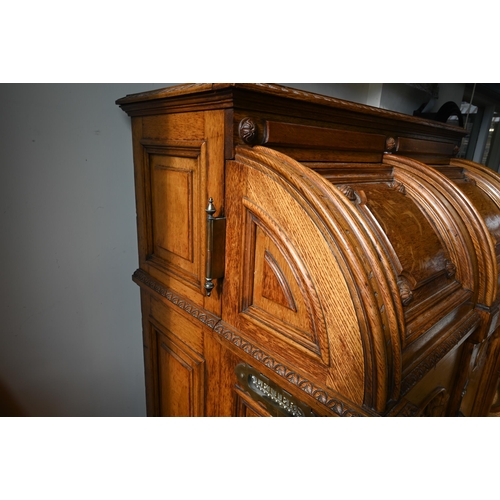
x=216 y=247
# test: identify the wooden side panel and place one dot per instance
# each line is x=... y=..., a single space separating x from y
x=181 y=378
x=175 y=176
x=179 y=165
x=273 y=293
x=174 y=360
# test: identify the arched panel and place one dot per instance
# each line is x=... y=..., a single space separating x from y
x=289 y=246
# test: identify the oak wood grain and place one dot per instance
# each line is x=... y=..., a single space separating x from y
x=361 y=258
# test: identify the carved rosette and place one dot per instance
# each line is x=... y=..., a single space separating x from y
x=348 y=191
x=405 y=291
x=451 y=269
x=247 y=130
x=390 y=144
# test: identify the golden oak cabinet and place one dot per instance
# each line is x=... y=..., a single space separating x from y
x=300 y=255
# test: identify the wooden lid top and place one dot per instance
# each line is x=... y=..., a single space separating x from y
x=221 y=95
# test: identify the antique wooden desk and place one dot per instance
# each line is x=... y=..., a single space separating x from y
x=300 y=255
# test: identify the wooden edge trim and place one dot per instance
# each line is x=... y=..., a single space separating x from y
x=144 y=279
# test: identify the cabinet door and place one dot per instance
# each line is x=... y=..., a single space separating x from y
x=180 y=378
x=179 y=165
x=174 y=361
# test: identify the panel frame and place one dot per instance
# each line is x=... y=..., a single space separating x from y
x=196 y=150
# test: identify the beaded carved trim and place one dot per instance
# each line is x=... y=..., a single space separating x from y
x=205 y=317
x=337 y=406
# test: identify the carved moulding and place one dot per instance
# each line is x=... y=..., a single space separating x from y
x=336 y=405
x=205 y=317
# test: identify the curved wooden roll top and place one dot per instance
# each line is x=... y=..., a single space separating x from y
x=373 y=275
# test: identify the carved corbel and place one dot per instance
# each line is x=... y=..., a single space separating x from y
x=348 y=192
x=390 y=145
x=404 y=291
x=451 y=269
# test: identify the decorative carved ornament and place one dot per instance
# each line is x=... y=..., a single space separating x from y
x=404 y=409
x=247 y=131
x=390 y=144
x=435 y=404
x=404 y=291
x=348 y=191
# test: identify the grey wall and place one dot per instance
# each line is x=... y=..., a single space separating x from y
x=70 y=332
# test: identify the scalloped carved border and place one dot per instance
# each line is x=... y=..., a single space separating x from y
x=431 y=361
x=337 y=406
x=216 y=324
x=205 y=317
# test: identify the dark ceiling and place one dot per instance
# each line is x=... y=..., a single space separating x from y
x=483 y=94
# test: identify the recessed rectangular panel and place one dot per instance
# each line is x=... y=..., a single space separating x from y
x=175 y=210
x=172 y=206
x=180 y=376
